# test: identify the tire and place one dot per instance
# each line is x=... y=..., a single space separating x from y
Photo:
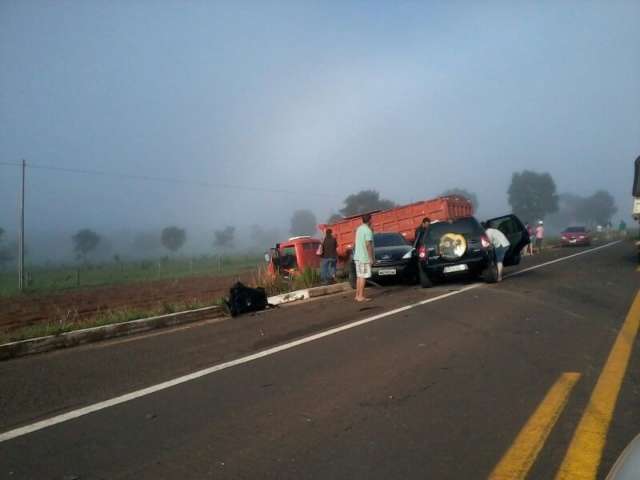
x=516 y=260
x=352 y=274
x=491 y=273
x=425 y=281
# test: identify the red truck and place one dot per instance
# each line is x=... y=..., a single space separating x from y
x=294 y=255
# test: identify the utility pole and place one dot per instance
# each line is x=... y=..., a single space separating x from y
x=21 y=242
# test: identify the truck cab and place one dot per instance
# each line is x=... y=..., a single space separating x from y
x=293 y=256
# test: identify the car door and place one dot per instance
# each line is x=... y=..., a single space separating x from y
x=515 y=232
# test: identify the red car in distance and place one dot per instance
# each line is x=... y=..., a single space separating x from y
x=575 y=236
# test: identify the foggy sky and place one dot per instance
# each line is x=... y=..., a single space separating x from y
x=319 y=98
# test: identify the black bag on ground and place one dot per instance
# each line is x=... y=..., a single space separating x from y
x=243 y=299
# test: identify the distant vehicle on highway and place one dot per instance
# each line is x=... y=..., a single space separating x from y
x=575 y=236
x=393 y=258
x=460 y=246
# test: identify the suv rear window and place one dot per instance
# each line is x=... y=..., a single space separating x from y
x=469 y=227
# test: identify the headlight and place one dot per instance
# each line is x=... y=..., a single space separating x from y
x=408 y=255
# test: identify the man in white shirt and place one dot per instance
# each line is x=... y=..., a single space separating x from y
x=500 y=245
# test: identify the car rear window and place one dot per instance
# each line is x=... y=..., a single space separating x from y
x=575 y=229
x=388 y=239
x=469 y=227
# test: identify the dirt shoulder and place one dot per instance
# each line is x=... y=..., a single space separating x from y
x=31 y=309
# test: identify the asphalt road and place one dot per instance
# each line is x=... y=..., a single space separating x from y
x=444 y=389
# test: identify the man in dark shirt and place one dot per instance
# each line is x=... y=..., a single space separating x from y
x=329 y=257
x=421 y=230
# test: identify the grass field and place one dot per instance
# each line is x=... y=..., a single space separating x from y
x=49 y=279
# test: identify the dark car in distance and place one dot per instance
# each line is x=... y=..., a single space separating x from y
x=461 y=247
x=393 y=258
x=575 y=236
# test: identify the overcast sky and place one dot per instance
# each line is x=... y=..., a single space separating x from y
x=320 y=99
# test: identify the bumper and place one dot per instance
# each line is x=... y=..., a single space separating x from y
x=475 y=265
x=575 y=241
x=391 y=271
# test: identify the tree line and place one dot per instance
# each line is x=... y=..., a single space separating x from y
x=532 y=196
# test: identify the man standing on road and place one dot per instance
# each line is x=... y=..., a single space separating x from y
x=363 y=256
x=421 y=230
x=539 y=236
x=329 y=257
x=500 y=246
x=622 y=229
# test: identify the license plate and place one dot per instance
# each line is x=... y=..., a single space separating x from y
x=573 y=240
x=455 y=268
x=387 y=271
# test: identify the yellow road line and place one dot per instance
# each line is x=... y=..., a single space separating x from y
x=585 y=451
x=518 y=460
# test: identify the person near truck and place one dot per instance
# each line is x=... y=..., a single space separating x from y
x=539 y=235
x=622 y=229
x=329 y=257
x=528 y=250
x=363 y=256
x=500 y=246
x=421 y=230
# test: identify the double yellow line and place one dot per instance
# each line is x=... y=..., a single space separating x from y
x=584 y=454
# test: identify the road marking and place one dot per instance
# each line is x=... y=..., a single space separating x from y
x=585 y=450
x=517 y=462
x=584 y=252
x=17 y=432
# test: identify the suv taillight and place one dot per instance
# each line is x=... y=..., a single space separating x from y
x=484 y=240
x=422 y=252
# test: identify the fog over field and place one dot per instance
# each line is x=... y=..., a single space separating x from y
x=139 y=115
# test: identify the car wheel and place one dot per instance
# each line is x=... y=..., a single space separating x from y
x=425 y=281
x=491 y=273
x=352 y=274
x=516 y=260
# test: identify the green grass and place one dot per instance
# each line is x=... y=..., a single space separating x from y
x=50 y=279
x=69 y=321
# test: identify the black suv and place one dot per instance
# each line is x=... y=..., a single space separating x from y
x=461 y=247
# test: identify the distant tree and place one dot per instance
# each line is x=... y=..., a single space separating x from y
x=224 y=238
x=461 y=192
x=364 y=201
x=335 y=217
x=173 y=238
x=303 y=222
x=6 y=252
x=598 y=208
x=146 y=242
x=532 y=195
x=85 y=241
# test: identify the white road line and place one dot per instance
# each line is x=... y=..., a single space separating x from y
x=561 y=259
x=18 y=432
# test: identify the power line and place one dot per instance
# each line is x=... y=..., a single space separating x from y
x=182 y=181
